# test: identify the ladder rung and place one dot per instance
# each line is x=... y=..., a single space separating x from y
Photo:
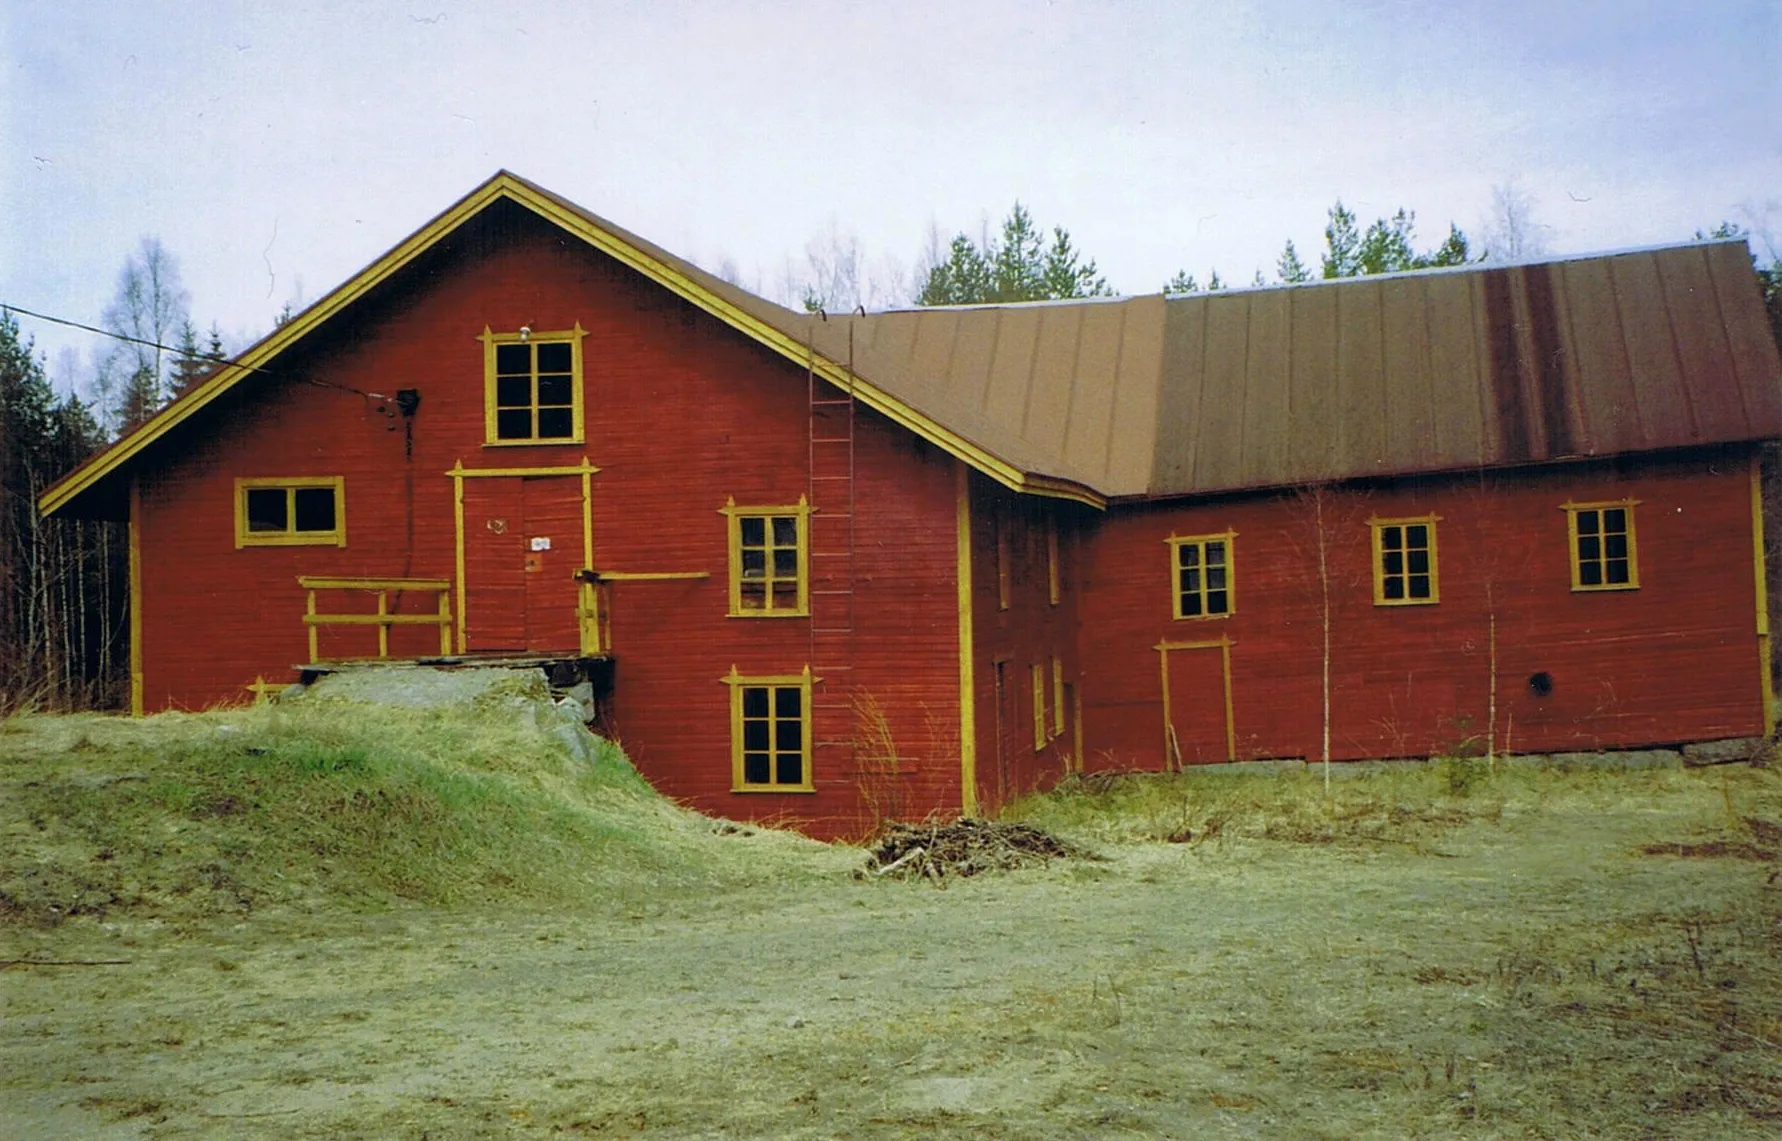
x=832 y=439
x=829 y=401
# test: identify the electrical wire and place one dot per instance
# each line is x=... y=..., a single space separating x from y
x=206 y=357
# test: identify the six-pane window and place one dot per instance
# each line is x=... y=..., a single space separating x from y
x=770 y=733
x=1405 y=561
x=535 y=390
x=1603 y=547
x=768 y=571
x=1203 y=576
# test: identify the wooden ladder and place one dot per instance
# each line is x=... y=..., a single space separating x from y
x=832 y=558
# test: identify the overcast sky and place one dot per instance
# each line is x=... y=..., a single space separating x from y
x=277 y=148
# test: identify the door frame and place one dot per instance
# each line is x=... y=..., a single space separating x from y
x=1172 y=752
x=587 y=610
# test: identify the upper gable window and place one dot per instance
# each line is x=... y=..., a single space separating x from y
x=1603 y=553
x=298 y=512
x=532 y=386
x=1405 y=561
x=769 y=560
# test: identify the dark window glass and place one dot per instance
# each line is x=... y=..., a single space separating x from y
x=788 y=701
x=1618 y=571
x=1394 y=588
x=555 y=423
x=513 y=392
x=1615 y=519
x=788 y=734
x=755 y=701
x=1215 y=578
x=513 y=424
x=785 y=531
x=755 y=734
x=785 y=562
x=791 y=768
x=1216 y=603
x=754 y=562
x=1190 y=554
x=756 y=768
x=315 y=509
x=512 y=359
x=555 y=390
x=1418 y=561
x=1590 y=548
x=1590 y=573
x=1215 y=554
x=754 y=530
x=1417 y=536
x=1587 y=522
x=1394 y=561
x=1391 y=538
x=555 y=356
x=266 y=509
x=1419 y=586
x=1615 y=546
x=1190 y=604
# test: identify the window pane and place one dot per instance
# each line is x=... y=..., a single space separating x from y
x=1590 y=574
x=511 y=359
x=1394 y=562
x=1216 y=603
x=785 y=562
x=788 y=700
x=1615 y=519
x=513 y=424
x=1215 y=578
x=1190 y=582
x=554 y=390
x=754 y=562
x=754 y=701
x=1392 y=538
x=315 y=509
x=1418 y=561
x=1215 y=554
x=266 y=509
x=555 y=356
x=1587 y=522
x=754 y=530
x=791 y=768
x=1417 y=535
x=1419 y=586
x=1590 y=548
x=785 y=594
x=1190 y=554
x=555 y=423
x=1615 y=546
x=1393 y=588
x=785 y=531
x=1190 y=605
x=754 y=734
x=788 y=734
x=513 y=392
x=1618 y=571
x=752 y=595
x=756 y=768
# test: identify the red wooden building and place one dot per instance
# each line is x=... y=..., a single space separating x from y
x=832 y=569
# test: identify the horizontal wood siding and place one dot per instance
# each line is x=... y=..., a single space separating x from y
x=682 y=414
x=1674 y=661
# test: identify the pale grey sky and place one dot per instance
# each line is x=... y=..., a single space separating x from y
x=278 y=148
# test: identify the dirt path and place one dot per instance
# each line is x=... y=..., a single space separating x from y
x=1249 y=990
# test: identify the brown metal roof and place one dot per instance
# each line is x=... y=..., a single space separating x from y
x=1389 y=375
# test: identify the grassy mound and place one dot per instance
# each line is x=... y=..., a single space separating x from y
x=331 y=803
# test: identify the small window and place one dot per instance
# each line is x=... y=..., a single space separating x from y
x=533 y=387
x=290 y=512
x=769 y=560
x=1203 y=581
x=770 y=732
x=1405 y=561
x=1040 y=736
x=1604 y=556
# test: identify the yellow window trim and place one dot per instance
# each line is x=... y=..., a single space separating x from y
x=1175 y=544
x=800 y=512
x=1435 y=588
x=1057 y=696
x=573 y=338
x=739 y=682
x=290 y=537
x=1038 y=676
x=1571 y=537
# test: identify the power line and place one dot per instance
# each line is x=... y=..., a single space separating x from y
x=206 y=357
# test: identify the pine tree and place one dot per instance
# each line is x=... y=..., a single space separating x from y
x=1289 y=269
x=1017 y=265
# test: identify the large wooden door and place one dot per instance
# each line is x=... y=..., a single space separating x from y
x=1196 y=703
x=522 y=547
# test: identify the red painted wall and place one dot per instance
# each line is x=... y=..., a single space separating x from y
x=1674 y=661
x=1031 y=630
x=682 y=414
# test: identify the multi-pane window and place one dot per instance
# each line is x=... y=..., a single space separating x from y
x=769 y=556
x=1203 y=580
x=533 y=387
x=1603 y=552
x=290 y=512
x=1405 y=561
x=770 y=733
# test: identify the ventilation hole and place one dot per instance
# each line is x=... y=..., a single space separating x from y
x=1541 y=684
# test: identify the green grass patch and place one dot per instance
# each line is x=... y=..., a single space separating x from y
x=334 y=803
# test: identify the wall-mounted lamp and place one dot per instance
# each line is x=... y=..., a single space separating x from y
x=525 y=333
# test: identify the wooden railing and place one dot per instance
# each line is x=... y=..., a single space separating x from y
x=382 y=618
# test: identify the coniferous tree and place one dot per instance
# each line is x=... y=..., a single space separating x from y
x=1018 y=265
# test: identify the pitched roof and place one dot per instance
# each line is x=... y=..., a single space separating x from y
x=1155 y=396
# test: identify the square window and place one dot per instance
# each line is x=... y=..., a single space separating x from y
x=266 y=509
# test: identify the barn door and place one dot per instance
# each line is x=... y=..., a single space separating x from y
x=522 y=547
x=1196 y=702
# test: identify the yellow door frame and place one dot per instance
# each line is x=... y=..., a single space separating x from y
x=1171 y=750
x=587 y=608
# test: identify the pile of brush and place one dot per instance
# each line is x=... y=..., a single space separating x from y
x=936 y=851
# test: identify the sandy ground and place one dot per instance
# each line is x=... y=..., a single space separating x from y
x=1222 y=990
